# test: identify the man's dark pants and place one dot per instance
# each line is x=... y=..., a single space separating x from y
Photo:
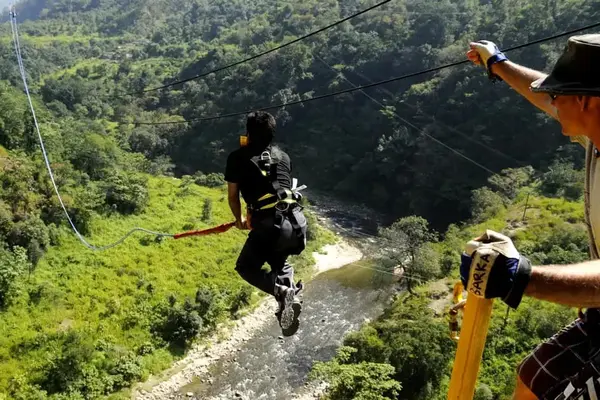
x=260 y=248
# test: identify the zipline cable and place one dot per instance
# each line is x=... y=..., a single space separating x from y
x=14 y=28
x=323 y=29
x=441 y=124
x=362 y=87
x=13 y=22
x=421 y=131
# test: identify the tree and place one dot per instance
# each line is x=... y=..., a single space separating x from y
x=161 y=165
x=564 y=244
x=67 y=365
x=562 y=179
x=407 y=338
x=406 y=243
x=12 y=124
x=6 y=220
x=127 y=193
x=209 y=305
x=177 y=325
x=361 y=381
x=510 y=180
x=69 y=91
x=211 y=180
x=366 y=345
x=147 y=141
x=486 y=204
x=32 y=234
x=93 y=154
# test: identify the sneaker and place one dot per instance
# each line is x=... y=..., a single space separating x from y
x=293 y=328
x=290 y=309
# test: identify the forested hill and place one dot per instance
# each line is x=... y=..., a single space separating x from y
x=85 y=55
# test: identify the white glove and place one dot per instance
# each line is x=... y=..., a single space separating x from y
x=492 y=267
x=485 y=53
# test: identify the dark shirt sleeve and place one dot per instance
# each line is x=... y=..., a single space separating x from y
x=232 y=169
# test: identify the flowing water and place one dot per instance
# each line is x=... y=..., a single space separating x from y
x=346 y=219
x=272 y=367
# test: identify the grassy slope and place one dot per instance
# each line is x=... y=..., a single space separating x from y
x=100 y=292
x=541 y=216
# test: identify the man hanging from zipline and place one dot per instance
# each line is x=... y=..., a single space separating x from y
x=567 y=366
x=261 y=172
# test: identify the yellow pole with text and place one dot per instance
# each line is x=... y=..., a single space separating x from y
x=475 y=323
x=477 y=315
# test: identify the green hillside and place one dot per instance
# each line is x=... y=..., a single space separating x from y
x=93 y=322
x=399 y=355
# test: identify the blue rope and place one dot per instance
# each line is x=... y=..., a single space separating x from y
x=15 y=32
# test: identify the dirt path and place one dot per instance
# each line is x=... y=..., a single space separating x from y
x=197 y=362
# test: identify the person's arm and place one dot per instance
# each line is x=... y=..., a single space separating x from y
x=516 y=76
x=233 y=177
x=576 y=285
x=520 y=78
x=233 y=197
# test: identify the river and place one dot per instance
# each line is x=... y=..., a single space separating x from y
x=268 y=366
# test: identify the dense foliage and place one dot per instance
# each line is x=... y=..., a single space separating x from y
x=410 y=348
x=412 y=336
x=91 y=60
x=90 y=323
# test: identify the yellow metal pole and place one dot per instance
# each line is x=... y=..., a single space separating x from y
x=477 y=312
x=475 y=323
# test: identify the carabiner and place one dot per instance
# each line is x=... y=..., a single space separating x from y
x=459 y=305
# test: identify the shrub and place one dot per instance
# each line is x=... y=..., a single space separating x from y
x=207 y=210
x=211 y=180
x=126 y=193
x=177 y=325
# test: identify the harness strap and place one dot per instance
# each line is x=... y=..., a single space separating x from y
x=282 y=196
x=270 y=200
x=295 y=225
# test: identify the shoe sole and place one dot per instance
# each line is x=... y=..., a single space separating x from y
x=296 y=323
x=292 y=329
x=291 y=310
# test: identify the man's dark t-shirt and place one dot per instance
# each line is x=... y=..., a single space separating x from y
x=246 y=174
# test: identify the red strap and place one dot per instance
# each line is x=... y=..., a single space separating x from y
x=217 y=229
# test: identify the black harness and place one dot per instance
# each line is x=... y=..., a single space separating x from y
x=289 y=219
